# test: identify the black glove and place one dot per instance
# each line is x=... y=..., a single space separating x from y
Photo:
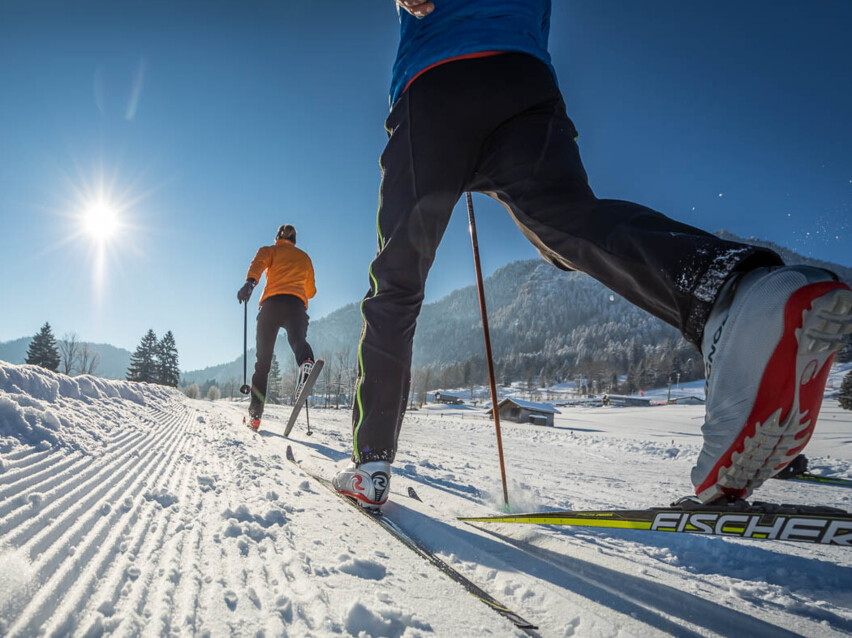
x=244 y=293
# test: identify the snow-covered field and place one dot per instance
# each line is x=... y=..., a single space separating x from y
x=130 y=510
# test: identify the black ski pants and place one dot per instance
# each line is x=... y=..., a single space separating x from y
x=497 y=125
x=279 y=311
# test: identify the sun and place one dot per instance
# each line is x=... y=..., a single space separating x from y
x=101 y=221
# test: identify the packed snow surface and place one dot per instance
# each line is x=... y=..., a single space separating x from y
x=127 y=509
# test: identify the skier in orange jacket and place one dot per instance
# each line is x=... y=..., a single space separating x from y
x=284 y=304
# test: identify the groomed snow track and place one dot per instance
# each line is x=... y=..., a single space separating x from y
x=103 y=549
x=129 y=510
x=169 y=518
x=81 y=521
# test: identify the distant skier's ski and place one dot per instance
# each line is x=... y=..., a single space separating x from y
x=424 y=552
x=303 y=395
x=797 y=471
x=819 y=479
x=764 y=521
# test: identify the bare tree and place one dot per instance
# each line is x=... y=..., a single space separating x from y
x=328 y=373
x=192 y=391
x=89 y=360
x=288 y=384
x=346 y=374
x=424 y=393
x=69 y=350
x=213 y=393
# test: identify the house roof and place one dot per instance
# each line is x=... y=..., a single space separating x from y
x=544 y=408
x=629 y=397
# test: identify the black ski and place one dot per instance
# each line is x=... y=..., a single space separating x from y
x=819 y=479
x=303 y=395
x=763 y=521
x=797 y=471
x=421 y=550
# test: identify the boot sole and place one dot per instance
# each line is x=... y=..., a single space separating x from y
x=817 y=318
x=363 y=501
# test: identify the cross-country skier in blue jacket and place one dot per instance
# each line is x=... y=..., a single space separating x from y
x=476 y=107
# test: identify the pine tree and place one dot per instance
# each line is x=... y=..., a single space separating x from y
x=143 y=362
x=43 y=351
x=273 y=387
x=168 y=372
x=844 y=398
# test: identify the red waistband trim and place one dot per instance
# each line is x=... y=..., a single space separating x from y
x=466 y=56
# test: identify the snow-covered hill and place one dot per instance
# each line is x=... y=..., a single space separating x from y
x=127 y=509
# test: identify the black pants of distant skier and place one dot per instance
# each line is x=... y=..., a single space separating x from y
x=280 y=311
x=498 y=126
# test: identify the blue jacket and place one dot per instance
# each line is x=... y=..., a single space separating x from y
x=463 y=27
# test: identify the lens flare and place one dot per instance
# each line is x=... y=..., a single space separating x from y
x=101 y=221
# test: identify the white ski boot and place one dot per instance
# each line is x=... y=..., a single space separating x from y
x=768 y=346
x=368 y=483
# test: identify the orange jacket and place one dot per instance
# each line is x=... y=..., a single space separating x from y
x=289 y=271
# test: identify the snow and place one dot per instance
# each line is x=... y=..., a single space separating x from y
x=127 y=509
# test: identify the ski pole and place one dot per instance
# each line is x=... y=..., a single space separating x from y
x=245 y=389
x=480 y=287
x=308 y=418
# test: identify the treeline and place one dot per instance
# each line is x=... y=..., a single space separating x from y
x=155 y=361
x=334 y=388
x=68 y=355
x=624 y=368
x=844 y=396
x=596 y=366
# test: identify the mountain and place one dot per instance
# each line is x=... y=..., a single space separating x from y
x=15 y=351
x=791 y=257
x=541 y=318
x=113 y=361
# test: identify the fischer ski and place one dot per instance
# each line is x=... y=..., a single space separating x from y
x=303 y=395
x=421 y=550
x=763 y=521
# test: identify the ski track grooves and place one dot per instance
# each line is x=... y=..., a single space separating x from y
x=59 y=472
x=71 y=540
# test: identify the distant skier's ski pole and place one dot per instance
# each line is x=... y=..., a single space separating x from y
x=245 y=389
x=308 y=419
x=480 y=287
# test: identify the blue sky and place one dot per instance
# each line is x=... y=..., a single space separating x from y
x=211 y=123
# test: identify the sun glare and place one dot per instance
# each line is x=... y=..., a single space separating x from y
x=100 y=221
x=100 y=217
